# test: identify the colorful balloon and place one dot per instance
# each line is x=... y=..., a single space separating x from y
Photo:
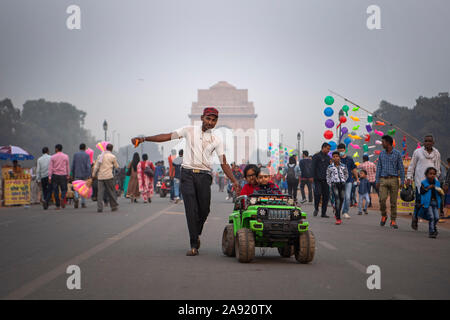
x=355 y=109
x=365 y=148
x=345 y=108
x=328 y=134
x=344 y=130
x=354 y=118
x=380 y=133
x=379 y=123
x=342 y=119
x=378 y=142
x=355 y=146
x=356 y=137
x=368 y=128
x=391 y=132
x=369 y=118
x=367 y=139
x=102 y=145
x=328 y=111
x=347 y=141
x=329 y=100
x=333 y=145
x=355 y=128
x=356 y=155
x=329 y=123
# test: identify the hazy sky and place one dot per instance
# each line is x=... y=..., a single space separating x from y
x=286 y=53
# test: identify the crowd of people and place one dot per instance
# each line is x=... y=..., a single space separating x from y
x=138 y=179
x=339 y=181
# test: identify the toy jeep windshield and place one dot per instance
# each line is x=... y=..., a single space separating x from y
x=272 y=221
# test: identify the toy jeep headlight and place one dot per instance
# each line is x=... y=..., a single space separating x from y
x=253 y=201
x=262 y=212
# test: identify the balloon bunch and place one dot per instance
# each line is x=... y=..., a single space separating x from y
x=329 y=123
x=404 y=153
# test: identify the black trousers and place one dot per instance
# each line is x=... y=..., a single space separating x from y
x=196 y=191
x=292 y=188
x=321 y=189
x=46 y=190
x=59 y=182
x=338 y=190
x=308 y=183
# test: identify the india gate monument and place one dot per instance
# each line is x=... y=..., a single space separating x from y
x=236 y=123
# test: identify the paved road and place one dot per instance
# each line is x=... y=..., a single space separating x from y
x=139 y=253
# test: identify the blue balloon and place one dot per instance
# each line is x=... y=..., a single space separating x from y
x=328 y=111
x=333 y=145
x=347 y=141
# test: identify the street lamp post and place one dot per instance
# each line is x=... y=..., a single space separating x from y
x=105 y=127
x=299 y=136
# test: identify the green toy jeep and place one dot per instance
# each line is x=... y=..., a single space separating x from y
x=268 y=221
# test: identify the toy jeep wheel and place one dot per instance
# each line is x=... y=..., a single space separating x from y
x=245 y=245
x=228 y=241
x=304 y=251
x=286 y=252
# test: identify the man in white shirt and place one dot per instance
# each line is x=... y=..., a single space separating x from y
x=196 y=176
x=42 y=177
x=422 y=159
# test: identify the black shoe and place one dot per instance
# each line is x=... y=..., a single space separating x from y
x=324 y=216
x=315 y=213
x=414 y=223
x=75 y=204
x=360 y=213
x=365 y=212
x=432 y=235
x=45 y=205
x=98 y=210
x=83 y=205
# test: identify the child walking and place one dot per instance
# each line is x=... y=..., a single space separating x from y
x=430 y=199
x=337 y=174
x=363 y=191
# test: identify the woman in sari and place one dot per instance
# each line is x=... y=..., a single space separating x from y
x=145 y=181
x=133 y=184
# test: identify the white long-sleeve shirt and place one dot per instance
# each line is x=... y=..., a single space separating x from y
x=421 y=160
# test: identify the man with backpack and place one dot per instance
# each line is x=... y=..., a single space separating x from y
x=306 y=176
x=292 y=174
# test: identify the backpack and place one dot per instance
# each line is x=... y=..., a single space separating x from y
x=291 y=173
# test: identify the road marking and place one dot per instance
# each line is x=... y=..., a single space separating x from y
x=44 y=279
x=357 y=265
x=327 y=245
x=175 y=212
x=400 y=296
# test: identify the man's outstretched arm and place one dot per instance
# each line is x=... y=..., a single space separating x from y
x=157 y=138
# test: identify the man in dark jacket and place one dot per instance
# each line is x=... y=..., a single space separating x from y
x=320 y=163
x=306 y=176
x=81 y=170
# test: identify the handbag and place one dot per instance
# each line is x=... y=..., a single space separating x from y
x=149 y=172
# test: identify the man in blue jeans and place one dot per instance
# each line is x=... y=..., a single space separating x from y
x=177 y=162
x=352 y=173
